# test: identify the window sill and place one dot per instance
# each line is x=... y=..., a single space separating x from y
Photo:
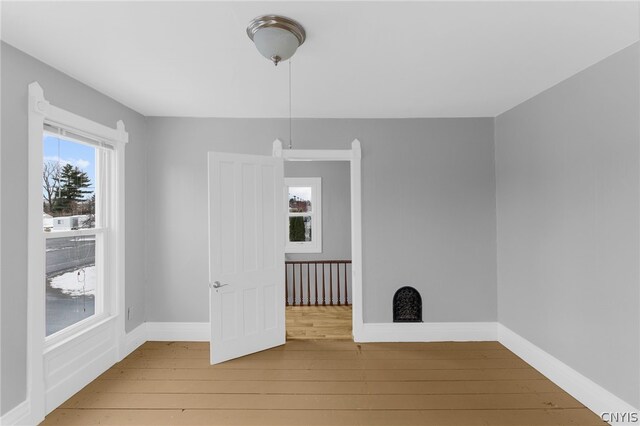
x=79 y=330
x=293 y=249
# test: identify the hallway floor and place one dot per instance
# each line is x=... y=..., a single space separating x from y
x=319 y=322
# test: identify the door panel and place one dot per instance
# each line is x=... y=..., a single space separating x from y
x=246 y=250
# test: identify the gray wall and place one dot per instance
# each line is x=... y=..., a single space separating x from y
x=18 y=70
x=567 y=220
x=428 y=209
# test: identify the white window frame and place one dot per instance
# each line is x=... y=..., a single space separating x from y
x=315 y=245
x=61 y=365
x=104 y=190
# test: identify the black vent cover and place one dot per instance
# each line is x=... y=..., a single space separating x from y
x=407 y=305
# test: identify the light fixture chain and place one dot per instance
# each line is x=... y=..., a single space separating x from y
x=290 y=137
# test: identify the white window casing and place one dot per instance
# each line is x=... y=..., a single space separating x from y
x=315 y=245
x=62 y=364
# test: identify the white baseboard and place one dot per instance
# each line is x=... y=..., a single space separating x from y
x=427 y=332
x=589 y=393
x=19 y=415
x=134 y=339
x=178 y=331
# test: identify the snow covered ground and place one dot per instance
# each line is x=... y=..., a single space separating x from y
x=76 y=283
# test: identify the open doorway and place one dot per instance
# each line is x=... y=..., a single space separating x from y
x=318 y=264
x=350 y=271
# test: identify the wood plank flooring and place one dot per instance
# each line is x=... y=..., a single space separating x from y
x=324 y=382
x=319 y=322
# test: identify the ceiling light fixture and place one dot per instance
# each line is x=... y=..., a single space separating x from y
x=277 y=38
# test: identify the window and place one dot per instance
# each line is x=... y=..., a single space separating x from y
x=75 y=184
x=304 y=219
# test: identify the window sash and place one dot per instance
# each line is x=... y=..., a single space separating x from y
x=297 y=214
x=74 y=233
x=104 y=179
x=103 y=167
x=102 y=308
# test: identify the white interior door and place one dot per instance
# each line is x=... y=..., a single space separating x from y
x=246 y=254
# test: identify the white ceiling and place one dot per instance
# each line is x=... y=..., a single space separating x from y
x=361 y=59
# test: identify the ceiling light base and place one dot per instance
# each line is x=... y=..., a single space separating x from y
x=276 y=37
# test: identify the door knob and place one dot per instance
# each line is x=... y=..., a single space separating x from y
x=216 y=284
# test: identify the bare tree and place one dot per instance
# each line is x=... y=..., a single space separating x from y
x=50 y=183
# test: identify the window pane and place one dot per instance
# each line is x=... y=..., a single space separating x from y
x=299 y=199
x=300 y=228
x=68 y=184
x=70 y=281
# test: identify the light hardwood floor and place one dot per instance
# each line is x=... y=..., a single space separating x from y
x=324 y=382
x=319 y=322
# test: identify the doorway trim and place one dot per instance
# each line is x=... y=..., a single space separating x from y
x=354 y=157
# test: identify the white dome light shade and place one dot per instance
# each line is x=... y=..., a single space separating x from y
x=275 y=44
x=276 y=37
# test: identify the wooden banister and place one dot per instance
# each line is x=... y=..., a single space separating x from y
x=296 y=285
